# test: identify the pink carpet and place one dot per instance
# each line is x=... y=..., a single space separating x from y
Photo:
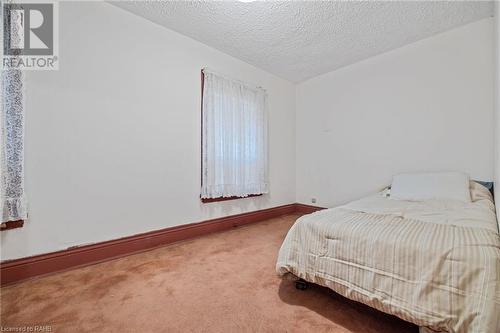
x=222 y=282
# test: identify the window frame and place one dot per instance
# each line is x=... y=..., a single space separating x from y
x=11 y=225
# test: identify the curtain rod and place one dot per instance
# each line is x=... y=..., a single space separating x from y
x=246 y=84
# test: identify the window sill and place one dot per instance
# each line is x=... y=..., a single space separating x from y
x=209 y=200
x=11 y=225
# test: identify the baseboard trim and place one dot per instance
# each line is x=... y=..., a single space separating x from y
x=17 y=270
x=306 y=209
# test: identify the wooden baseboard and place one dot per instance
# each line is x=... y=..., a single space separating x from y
x=306 y=209
x=21 y=269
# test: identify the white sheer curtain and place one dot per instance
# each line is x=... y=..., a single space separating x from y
x=12 y=196
x=235 y=138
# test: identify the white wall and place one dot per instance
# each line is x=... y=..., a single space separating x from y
x=113 y=137
x=497 y=107
x=425 y=106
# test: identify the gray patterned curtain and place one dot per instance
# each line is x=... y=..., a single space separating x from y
x=12 y=196
x=13 y=200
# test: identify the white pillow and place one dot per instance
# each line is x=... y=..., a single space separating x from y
x=427 y=186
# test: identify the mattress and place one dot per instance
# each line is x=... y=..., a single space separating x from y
x=434 y=263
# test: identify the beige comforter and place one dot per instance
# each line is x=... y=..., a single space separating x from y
x=435 y=263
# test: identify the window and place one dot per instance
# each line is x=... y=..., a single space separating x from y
x=234 y=138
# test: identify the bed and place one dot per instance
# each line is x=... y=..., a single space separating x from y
x=434 y=263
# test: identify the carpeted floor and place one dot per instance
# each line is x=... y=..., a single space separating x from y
x=223 y=282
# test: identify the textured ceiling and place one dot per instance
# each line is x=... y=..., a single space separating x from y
x=297 y=40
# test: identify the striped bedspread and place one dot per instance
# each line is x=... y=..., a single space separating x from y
x=435 y=264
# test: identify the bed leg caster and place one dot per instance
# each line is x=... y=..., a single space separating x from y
x=301 y=284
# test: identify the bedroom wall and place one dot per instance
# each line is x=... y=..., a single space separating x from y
x=113 y=137
x=425 y=106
